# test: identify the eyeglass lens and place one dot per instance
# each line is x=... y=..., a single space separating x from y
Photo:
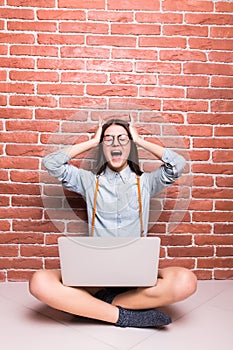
x=110 y=139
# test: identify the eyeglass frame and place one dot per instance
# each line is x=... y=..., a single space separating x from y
x=118 y=139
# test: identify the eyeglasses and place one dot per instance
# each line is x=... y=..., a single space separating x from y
x=109 y=140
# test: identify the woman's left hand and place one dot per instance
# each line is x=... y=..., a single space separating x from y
x=133 y=130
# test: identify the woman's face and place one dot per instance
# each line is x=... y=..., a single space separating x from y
x=116 y=147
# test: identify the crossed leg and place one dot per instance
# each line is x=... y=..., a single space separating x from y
x=174 y=284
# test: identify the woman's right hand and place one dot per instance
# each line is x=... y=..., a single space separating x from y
x=98 y=132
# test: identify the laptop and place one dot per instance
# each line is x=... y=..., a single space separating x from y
x=115 y=262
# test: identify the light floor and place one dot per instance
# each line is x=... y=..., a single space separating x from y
x=204 y=321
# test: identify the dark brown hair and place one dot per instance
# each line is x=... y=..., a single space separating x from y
x=132 y=161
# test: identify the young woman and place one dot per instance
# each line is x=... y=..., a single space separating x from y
x=117 y=214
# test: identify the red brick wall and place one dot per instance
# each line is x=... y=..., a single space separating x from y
x=63 y=63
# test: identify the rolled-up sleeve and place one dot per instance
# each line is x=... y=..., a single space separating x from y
x=167 y=173
x=71 y=177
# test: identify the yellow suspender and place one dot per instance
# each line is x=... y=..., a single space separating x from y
x=139 y=204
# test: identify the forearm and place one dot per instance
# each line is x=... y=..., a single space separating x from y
x=74 y=150
x=153 y=148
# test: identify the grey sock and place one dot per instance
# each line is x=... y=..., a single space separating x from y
x=142 y=318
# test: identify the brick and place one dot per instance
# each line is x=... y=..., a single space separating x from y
x=222 y=181
x=19 y=163
x=210 y=44
x=54 y=14
x=20 y=263
x=209 y=118
x=29 y=3
x=224 y=205
x=38 y=251
x=211 y=193
x=139 y=79
x=182 y=55
x=19 y=137
x=215 y=263
x=19 y=188
x=78 y=27
x=223 y=274
x=60 y=89
x=19 y=275
x=111 y=90
x=33 y=125
x=221 y=106
x=114 y=40
x=223 y=6
x=161 y=92
x=182 y=262
x=110 y=16
x=60 y=39
x=223 y=228
x=209 y=18
x=134 y=54
x=221 y=32
x=187 y=5
x=209 y=93
x=18 y=88
x=82 y=52
x=17 y=13
x=222 y=81
x=212 y=168
x=34 y=76
x=8 y=250
x=22 y=213
x=62 y=114
x=24 y=201
x=19 y=176
x=36 y=50
x=3 y=101
x=200 y=180
x=21 y=150
x=62 y=64
x=21 y=100
x=186 y=106
x=83 y=77
x=2 y=276
x=223 y=131
x=127 y=103
x=185 y=30
x=15 y=113
x=11 y=38
x=82 y=102
x=133 y=5
x=3 y=51
x=158 y=17
x=190 y=251
x=149 y=41
x=199 y=155
x=109 y=65
x=32 y=26
x=207 y=68
x=203 y=274
x=155 y=117
x=214 y=240
x=219 y=216
x=88 y=4
x=5 y=226
x=27 y=63
x=52 y=263
x=173 y=80
x=223 y=156
x=158 y=67
x=135 y=29
x=37 y=226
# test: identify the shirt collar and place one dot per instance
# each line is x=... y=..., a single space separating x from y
x=124 y=174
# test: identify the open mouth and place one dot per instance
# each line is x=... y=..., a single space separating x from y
x=116 y=155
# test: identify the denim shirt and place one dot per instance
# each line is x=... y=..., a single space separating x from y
x=117 y=210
